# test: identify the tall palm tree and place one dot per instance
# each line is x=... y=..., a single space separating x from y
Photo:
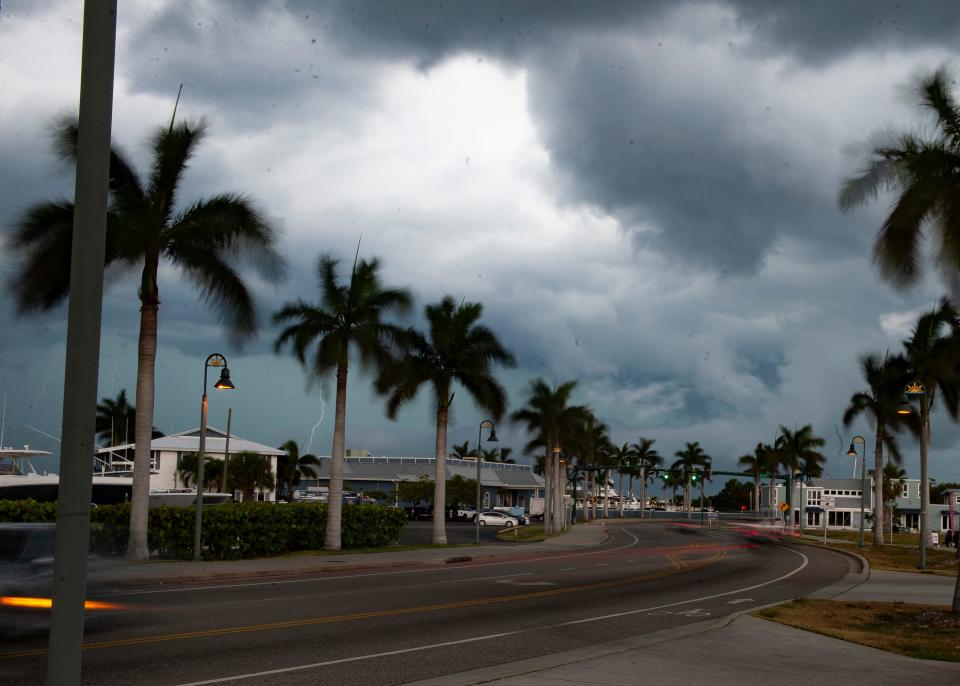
x=932 y=352
x=646 y=458
x=553 y=422
x=798 y=454
x=591 y=443
x=114 y=416
x=885 y=382
x=462 y=451
x=188 y=469
x=456 y=350
x=688 y=460
x=249 y=472
x=348 y=317
x=924 y=173
x=147 y=226
x=293 y=466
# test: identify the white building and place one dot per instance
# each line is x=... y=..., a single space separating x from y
x=167 y=451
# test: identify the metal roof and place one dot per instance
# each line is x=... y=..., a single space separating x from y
x=189 y=441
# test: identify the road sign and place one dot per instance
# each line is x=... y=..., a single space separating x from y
x=784 y=507
x=828 y=501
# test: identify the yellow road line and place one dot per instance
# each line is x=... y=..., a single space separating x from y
x=677 y=566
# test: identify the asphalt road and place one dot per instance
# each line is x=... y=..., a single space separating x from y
x=396 y=626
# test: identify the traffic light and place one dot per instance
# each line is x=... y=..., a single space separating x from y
x=666 y=476
x=694 y=476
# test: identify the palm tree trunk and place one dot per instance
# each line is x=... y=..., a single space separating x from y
x=138 y=547
x=621 y=492
x=560 y=476
x=631 y=490
x=335 y=493
x=878 y=486
x=584 y=515
x=686 y=496
x=547 y=492
x=643 y=491
x=606 y=494
x=440 y=478
x=756 y=491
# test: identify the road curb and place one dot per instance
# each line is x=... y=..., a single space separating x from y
x=850 y=581
x=335 y=566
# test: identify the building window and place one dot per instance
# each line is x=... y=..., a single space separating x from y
x=912 y=520
x=486 y=500
x=813 y=518
x=154 y=461
x=906 y=490
x=813 y=498
x=835 y=518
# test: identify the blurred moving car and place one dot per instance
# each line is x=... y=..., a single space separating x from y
x=496 y=519
x=26 y=579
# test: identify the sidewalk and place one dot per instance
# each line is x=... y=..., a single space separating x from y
x=742 y=650
x=123 y=573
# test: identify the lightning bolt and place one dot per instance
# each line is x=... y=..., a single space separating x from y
x=313 y=431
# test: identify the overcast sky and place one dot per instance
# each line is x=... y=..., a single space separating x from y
x=642 y=195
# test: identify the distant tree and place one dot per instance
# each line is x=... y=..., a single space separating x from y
x=758 y=464
x=461 y=492
x=416 y=492
x=187 y=471
x=645 y=458
x=893 y=478
x=293 y=466
x=462 y=451
x=117 y=421
x=248 y=473
x=733 y=496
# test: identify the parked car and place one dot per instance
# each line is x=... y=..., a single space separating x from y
x=497 y=519
x=463 y=513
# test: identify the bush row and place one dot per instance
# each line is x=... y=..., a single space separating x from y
x=231 y=531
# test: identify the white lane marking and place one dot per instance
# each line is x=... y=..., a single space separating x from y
x=601 y=564
x=525 y=583
x=741 y=600
x=358 y=658
x=566 y=569
x=484 y=578
x=419 y=570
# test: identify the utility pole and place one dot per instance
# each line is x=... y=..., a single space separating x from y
x=84 y=316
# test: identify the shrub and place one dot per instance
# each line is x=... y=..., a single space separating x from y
x=232 y=531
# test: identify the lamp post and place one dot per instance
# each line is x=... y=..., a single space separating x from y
x=915 y=390
x=556 y=498
x=223 y=383
x=852 y=452
x=492 y=438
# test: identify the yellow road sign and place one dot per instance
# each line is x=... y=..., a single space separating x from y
x=784 y=507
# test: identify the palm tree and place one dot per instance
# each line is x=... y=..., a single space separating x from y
x=250 y=472
x=885 y=381
x=932 y=352
x=293 y=466
x=688 y=460
x=455 y=350
x=621 y=457
x=798 y=455
x=757 y=464
x=646 y=457
x=349 y=316
x=591 y=443
x=116 y=420
x=187 y=470
x=462 y=451
x=893 y=478
x=924 y=173
x=147 y=226
x=553 y=421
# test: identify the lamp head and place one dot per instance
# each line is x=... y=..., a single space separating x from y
x=492 y=438
x=852 y=452
x=224 y=383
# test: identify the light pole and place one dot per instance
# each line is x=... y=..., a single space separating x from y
x=485 y=424
x=556 y=497
x=223 y=383
x=852 y=452
x=915 y=390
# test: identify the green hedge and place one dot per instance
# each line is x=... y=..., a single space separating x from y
x=232 y=531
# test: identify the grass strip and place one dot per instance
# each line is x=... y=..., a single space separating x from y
x=929 y=632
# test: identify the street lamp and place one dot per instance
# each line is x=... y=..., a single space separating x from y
x=915 y=390
x=852 y=452
x=223 y=383
x=492 y=438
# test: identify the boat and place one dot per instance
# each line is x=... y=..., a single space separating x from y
x=20 y=480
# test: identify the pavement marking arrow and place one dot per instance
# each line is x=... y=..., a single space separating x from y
x=525 y=583
x=741 y=600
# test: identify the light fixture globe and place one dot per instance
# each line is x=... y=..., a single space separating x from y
x=224 y=383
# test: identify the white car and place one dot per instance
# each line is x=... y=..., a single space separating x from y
x=496 y=519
